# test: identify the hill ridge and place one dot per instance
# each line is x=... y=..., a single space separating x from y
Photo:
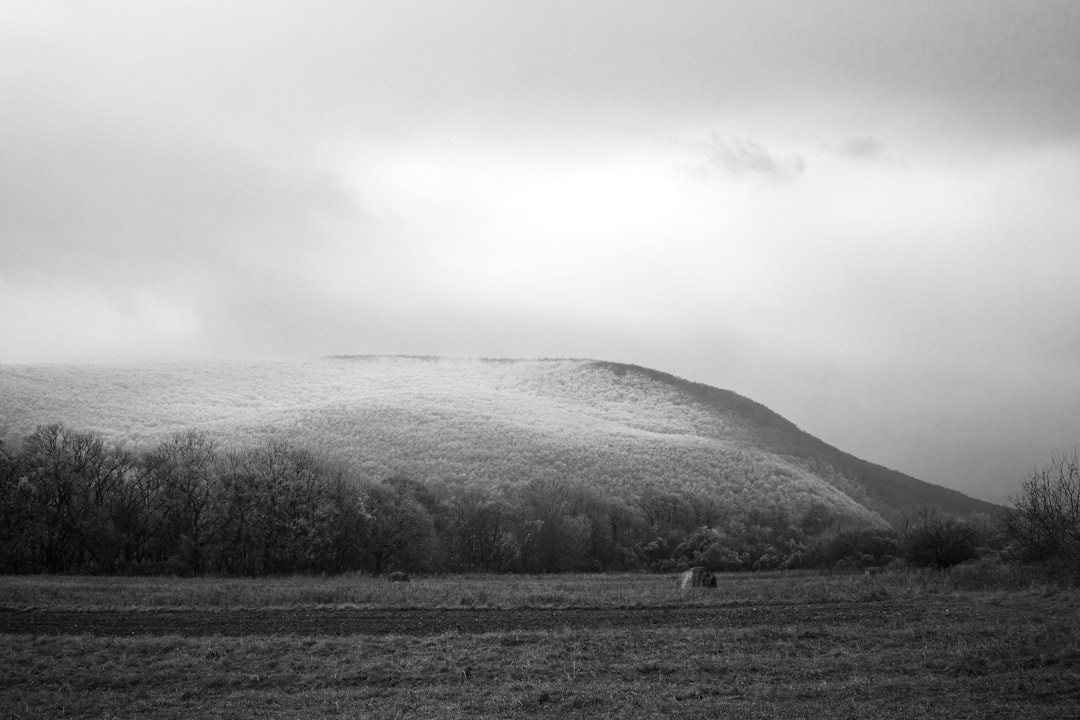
x=948 y=499
x=622 y=428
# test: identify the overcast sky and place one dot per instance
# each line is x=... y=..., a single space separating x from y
x=864 y=214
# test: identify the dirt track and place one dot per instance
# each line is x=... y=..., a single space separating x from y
x=301 y=621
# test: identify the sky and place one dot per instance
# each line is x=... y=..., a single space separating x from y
x=864 y=214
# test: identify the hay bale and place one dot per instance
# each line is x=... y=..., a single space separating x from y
x=697 y=577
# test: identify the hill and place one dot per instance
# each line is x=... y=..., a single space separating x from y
x=623 y=430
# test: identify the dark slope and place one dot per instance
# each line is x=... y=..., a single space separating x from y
x=890 y=493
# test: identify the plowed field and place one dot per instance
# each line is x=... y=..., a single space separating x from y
x=934 y=655
x=338 y=622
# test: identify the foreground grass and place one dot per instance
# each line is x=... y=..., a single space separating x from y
x=951 y=654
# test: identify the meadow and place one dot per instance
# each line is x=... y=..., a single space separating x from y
x=973 y=642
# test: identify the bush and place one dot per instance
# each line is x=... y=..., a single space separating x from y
x=940 y=541
x=859 y=548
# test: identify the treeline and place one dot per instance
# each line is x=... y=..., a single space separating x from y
x=74 y=502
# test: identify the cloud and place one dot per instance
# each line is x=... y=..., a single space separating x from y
x=747 y=158
x=209 y=178
x=862 y=147
x=127 y=208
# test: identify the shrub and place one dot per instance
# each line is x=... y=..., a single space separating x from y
x=939 y=541
x=860 y=548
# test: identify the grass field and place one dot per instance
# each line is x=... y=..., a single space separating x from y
x=900 y=645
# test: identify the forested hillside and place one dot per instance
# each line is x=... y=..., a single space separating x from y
x=889 y=492
x=565 y=464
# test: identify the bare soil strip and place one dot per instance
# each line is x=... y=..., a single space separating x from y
x=420 y=622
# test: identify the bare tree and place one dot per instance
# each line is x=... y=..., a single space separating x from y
x=480 y=524
x=398 y=529
x=1044 y=523
x=17 y=517
x=184 y=469
x=73 y=481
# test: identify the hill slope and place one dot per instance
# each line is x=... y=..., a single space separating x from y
x=623 y=429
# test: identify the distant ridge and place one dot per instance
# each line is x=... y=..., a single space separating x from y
x=623 y=429
x=889 y=492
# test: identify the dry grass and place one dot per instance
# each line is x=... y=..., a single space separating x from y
x=968 y=668
x=489 y=591
x=946 y=654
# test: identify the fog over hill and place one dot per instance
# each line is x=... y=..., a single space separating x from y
x=624 y=430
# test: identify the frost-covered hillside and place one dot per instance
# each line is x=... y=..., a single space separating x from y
x=621 y=429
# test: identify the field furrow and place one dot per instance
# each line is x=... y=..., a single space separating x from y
x=423 y=621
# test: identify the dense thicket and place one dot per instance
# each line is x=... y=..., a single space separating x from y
x=73 y=502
